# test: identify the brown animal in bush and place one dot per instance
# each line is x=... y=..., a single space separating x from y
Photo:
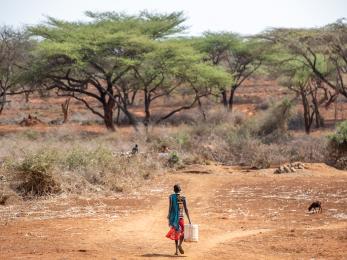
x=316 y=206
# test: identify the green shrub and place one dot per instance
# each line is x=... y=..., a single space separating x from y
x=77 y=158
x=183 y=139
x=173 y=159
x=101 y=157
x=339 y=138
x=42 y=160
x=338 y=147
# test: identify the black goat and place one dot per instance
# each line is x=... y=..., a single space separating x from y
x=316 y=206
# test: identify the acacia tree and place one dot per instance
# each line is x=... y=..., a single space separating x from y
x=14 y=48
x=333 y=40
x=240 y=56
x=292 y=73
x=87 y=61
x=201 y=80
x=155 y=74
x=314 y=47
x=306 y=86
x=169 y=68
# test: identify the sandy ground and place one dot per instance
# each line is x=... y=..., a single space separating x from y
x=241 y=214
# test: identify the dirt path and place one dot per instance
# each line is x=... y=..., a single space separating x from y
x=241 y=215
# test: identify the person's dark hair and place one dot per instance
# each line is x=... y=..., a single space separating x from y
x=177 y=188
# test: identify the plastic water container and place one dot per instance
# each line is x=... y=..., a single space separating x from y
x=191 y=232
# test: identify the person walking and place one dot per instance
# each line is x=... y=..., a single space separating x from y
x=177 y=207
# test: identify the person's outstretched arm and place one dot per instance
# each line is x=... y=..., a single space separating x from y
x=186 y=210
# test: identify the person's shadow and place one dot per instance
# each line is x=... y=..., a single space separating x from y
x=162 y=255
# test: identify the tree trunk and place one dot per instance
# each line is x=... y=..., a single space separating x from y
x=65 y=108
x=118 y=115
x=2 y=102
x=318 y=118
x=307 y=113
x=108 y=114
x=335 y=111
x=202 y=110
x=130 y=117
x=27 y=94
x=224 y=98
x=231 y=98
x=123 y=106
x=126 y=97
x=147 y=111
x=133 y=97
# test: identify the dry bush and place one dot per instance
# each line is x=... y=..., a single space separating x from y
x=296 y=121
x=212 y=148
x=49 y=165
x=241 y=144
x=31 y=134
x=221 y=115
x=274 y=122
x=174 y=138
x=7 y=195
x=9 y=198
x=307 y=149
x=252 y=152
x=85 y=118
x=247 y=99
x=186 y=117
x=264 y=104
x=65 y=160
x=249 y=151
x=35 y=173
x=128 y=172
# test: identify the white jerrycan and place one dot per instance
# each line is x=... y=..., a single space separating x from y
x=191 y=232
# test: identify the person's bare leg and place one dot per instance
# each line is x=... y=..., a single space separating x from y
x=176 y=244
x=181 y=241
x=180 y=245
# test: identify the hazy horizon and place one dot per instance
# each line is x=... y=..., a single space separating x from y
x=247 y=17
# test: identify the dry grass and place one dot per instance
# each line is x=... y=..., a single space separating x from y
x=66 y=161
x=61 y=163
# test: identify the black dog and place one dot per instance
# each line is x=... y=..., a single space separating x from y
x=316 y=206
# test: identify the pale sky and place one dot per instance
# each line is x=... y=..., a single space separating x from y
x=241 y=16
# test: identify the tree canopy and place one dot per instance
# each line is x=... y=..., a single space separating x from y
x=117 y=54
x=109 y=60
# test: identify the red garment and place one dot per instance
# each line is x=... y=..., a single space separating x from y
x=176 y=235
